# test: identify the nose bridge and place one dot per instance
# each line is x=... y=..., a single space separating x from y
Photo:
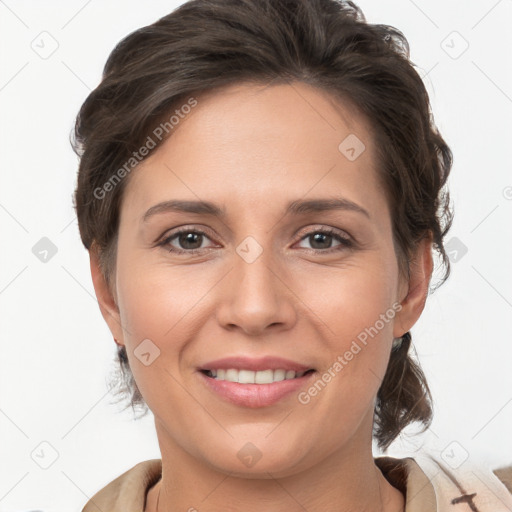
x=255 y=296
x=253 y=263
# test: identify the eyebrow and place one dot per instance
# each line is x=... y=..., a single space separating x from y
x=293 y=207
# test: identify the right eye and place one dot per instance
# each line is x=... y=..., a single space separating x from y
x=185 y=237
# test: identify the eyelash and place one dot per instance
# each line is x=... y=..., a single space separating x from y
x=345 y=243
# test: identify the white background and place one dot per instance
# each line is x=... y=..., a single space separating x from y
x=56 y=350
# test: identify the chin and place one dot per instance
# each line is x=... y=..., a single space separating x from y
x=258 y=460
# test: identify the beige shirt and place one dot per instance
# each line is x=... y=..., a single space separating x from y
x=428 y=484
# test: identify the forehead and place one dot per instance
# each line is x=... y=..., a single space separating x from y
x=254 y=143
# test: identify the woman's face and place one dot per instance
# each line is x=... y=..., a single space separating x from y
x=261 y=281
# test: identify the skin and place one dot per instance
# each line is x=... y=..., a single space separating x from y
x=251 y=149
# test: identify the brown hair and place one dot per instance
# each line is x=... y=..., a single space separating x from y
x=206 y=44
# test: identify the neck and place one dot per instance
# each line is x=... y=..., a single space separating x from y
x=345 y=481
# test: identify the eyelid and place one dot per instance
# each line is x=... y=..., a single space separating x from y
x=302 y=231
x=345 y=240
x=313 y=228
x=184 y=228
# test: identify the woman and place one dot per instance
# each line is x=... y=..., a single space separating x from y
x=290 y=144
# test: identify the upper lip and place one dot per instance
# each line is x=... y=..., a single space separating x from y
x=255 y=364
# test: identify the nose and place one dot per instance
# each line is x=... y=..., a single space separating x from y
x=255 y=296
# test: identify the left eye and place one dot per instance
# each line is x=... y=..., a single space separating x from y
x=191 y=240
x=324 y=237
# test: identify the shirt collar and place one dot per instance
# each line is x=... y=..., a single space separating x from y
x=427 y=484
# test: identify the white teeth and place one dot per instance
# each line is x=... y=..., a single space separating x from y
x=264 y=377
x=244 y=376
x=250 y=377
x=231 y=375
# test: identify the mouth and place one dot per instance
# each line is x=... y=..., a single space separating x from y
x=241 y=376
x=255 y=389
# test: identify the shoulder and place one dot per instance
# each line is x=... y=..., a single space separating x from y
x=434 y=484
x=505 y=476
x=128 y=490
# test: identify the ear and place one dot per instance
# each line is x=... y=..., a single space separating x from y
x=413 y=303
x=106 y=300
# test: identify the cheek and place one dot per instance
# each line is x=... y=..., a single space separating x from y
x=154 y=297
x=357 y=356
x=352 y=297
x=165 y=305
x=357 y=309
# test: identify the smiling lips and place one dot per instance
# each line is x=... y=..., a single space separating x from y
x=254 y=382
x=251 y=377
x=255 y=364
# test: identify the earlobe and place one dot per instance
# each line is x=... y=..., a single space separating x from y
x=420 y=274
x=105 y=297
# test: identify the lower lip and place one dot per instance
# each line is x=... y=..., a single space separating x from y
x=255 y=395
